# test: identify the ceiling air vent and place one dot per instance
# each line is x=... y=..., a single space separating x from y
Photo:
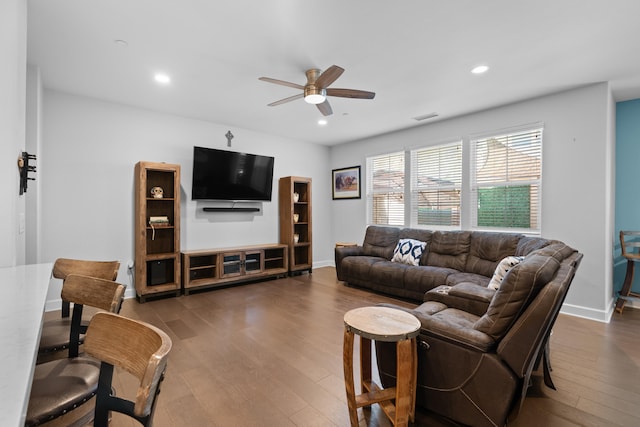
x=425 y=117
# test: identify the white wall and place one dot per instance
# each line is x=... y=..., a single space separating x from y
x=90 y=146
x=33 y=146
x=578 y=156
x=13 y=39
x=89 y=150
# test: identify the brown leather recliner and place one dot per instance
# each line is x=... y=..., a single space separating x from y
x=475 y=360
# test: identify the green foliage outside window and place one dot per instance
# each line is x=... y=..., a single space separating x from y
x=504 y=207
x=428 y=216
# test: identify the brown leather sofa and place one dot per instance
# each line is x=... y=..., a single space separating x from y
x=477 y=346
x=451 y=257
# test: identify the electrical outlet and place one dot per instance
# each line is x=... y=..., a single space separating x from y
x=21 y=223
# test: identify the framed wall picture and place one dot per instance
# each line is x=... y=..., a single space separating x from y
x=346 y=183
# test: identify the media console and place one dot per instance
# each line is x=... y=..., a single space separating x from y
x=210 y=268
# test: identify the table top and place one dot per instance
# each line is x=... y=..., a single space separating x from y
x=382 y=323
x=24 y=291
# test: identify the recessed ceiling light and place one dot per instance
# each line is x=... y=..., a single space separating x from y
x=480 y=69
x=162 y=78
x=121 y=43
x=322 y=122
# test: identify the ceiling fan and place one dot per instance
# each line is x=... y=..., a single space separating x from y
x=317 y=89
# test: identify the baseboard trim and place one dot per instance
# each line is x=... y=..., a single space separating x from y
x=603 y=316
x=324 y=264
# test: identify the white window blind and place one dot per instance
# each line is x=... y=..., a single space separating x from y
x=506 y=178
x=385 y=189
x=436 y=181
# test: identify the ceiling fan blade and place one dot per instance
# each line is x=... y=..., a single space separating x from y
x=329 y=76
x=289 y=99
x=351 y=93
x=281 y=82
x=325 y=108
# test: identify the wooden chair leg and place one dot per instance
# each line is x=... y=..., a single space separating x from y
x=626 y=286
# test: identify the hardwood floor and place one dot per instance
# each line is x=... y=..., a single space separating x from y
x=270 y=354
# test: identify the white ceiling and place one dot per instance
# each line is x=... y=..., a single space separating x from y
x=416 y=55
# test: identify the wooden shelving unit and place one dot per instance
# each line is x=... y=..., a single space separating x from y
x=210 y=268
x=296 y=234
x=157 y=246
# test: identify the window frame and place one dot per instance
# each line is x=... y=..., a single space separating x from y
x=511 y=136
x=372 y=192
x=468 y=189
x=450 y=177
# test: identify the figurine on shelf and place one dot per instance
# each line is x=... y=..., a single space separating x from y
x=157 y=192
x=296 y=197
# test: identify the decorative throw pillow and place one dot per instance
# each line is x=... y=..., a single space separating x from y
x=503 y=267
x=408 y=251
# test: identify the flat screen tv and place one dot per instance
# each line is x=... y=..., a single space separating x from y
x=229 y=175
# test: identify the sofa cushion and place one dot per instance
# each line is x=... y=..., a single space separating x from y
x=519 y=287
x=423 y=278
x=528 y=244
x=464 y=296
x=450 y=323
x=502 y=269
x=487 y=249
x=555 y=249
x=458 y=326
x=429 y=307
x=358 y=267
x=457 y=277
x=408 y=251
x=449 y=249
x=388 y=274
x=380 y=241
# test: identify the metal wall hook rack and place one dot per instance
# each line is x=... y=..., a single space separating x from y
x=24 y=168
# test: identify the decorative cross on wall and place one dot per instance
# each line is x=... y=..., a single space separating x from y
x=229 y=136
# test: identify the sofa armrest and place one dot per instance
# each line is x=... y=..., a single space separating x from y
x=465 y=296
x=341 y=253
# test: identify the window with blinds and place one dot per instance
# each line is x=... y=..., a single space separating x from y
x=505 y=182
x=436 y=181
x=385 y=189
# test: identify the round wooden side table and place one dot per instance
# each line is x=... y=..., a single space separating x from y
x=346 y=244
x=382 y=324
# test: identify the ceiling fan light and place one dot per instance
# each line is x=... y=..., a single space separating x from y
x=313 y=95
